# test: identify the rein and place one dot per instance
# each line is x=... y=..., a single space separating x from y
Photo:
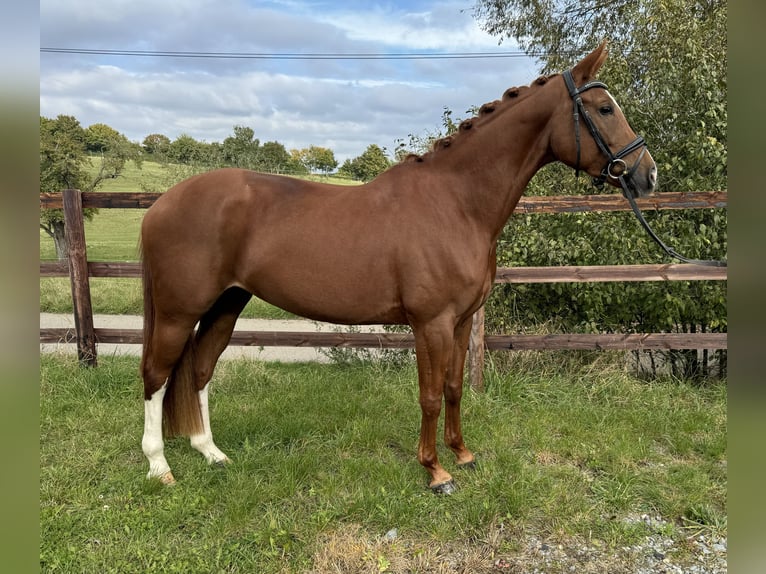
x=616 y=167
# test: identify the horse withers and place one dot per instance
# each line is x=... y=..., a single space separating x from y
x=414 y=246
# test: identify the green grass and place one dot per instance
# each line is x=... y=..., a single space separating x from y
x=567 y=450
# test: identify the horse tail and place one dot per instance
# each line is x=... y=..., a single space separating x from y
x=181 y=414
x=146 y=282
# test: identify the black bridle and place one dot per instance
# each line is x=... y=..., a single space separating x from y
x=616 y=168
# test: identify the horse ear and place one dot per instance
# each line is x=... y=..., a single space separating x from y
x=586 y=69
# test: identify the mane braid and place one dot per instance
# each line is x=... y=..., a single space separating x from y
x=510 y=97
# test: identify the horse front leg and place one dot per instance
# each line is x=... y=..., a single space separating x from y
x=453 y=394
x=433 y=346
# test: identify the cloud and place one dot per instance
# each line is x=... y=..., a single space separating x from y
x=345 y=105
x=440 y=26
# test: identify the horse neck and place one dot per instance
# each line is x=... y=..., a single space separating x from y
x=492 y=165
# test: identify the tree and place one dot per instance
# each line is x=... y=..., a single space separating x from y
x=241 y=149
x=667 y=66
x=186 y=150
x=315 y=158
x=157 y=145
x=64 y=165
x=367 y=166
x=113 y=149
x=274 y=158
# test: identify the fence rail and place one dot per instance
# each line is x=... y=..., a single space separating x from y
x=562 y=274
x=530 y=204
x=575 y=341
x=86 y=336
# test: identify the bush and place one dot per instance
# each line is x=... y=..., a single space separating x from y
x=622 y=307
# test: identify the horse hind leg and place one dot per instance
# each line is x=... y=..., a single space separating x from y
x=169 y=341
x=213 y=335
x=152 y=443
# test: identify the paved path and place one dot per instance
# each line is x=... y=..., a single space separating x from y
x=284 y=354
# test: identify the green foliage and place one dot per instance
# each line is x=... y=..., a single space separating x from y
x=667 y=67
x=274 y=158
x=366 y=166
x=65 y=163
x=241 y=149
x=112 y=150
x=186 y=150
x=621 y=307
x=316 y=159
x=157 y=145
x=185 y=155
x=62 y=154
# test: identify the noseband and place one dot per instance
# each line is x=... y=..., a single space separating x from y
x=616 y=168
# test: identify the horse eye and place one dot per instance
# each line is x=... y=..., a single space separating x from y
x=606 y=110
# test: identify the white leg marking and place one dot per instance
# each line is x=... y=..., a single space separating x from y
x=204 y=442
x=152 y=443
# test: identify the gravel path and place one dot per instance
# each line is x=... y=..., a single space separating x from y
x=283 y=354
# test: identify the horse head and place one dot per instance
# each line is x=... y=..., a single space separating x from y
x=590 y=132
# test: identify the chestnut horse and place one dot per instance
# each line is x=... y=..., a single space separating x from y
x=414 y=246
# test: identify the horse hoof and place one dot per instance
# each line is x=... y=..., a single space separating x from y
x=223 y=463
x=444 y=488
x=168 y=479
x=468 y=465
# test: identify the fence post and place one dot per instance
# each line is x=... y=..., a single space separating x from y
x=74 y=229
x=476 y=351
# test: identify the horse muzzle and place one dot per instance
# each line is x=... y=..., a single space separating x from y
x=638 y=180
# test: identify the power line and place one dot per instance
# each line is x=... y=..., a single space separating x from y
x=287 y=55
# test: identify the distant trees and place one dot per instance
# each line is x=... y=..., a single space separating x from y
x=186 y=150
x=157 y=145
x=241 y=149
x=366 y=166
x=274 y=158
x=112 y=149
x=316 y=159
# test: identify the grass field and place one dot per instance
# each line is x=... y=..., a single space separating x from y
x=570 y=453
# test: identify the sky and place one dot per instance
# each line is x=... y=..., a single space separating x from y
x=341 y=104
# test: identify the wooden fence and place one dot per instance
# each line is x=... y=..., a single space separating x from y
x=79 y=269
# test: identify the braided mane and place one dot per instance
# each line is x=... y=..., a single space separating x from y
x=510 y=97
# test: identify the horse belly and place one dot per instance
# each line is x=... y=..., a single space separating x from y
x=327 y=287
